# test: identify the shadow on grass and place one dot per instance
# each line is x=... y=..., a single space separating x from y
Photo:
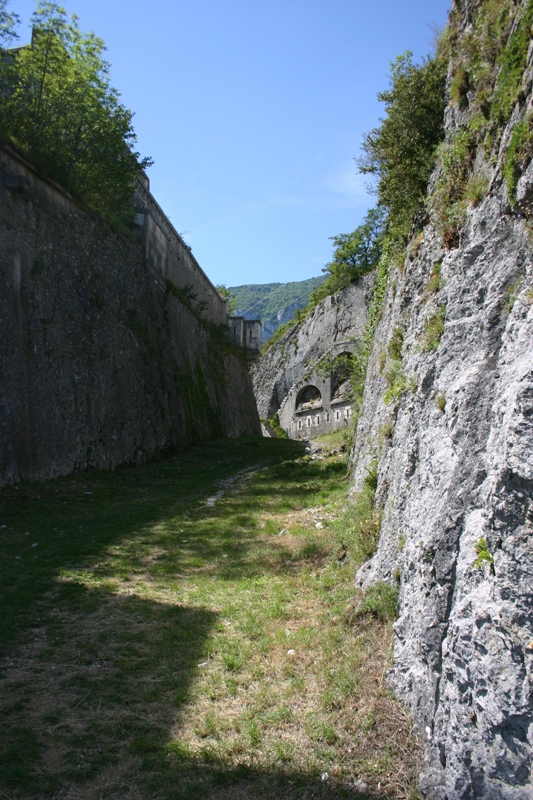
x=89 y=697
x=94 y=677
x=72 y=523
x=210 y=780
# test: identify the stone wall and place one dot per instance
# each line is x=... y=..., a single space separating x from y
x=339 y=318
x=319 y=403
x=100 y=363
x=246 y=334
x=456 y=476
x=169 y=258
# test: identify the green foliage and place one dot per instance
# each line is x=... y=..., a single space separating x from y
x=512 y=293
x=8 y=25
x=264 y=300
x=280 y=432
x=459 y=88
x=484 y=556
x=231 y=300
x=394 y=347
x=364 y=523
x=433 y=329
x=519 y=153
x=62 y=111
x=448 y=200
x=355 y=254
x=436 y=281
x=371 y=477
x=488 y=62
x=440 y=402
x=380 y=600
x=476 y=53
x=513 y=64
x=392 y=254
x=397 y=382
x=401 y=152
x=386 y=430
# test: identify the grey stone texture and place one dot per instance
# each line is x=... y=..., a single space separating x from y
x=339 y=318
x=101 y=363
x=455 y=468
x=168 y=257
x=246 y=334
x=319 y=403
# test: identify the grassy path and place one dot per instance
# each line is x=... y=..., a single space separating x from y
x=164 y=641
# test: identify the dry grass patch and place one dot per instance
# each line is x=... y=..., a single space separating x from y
x=178 y=649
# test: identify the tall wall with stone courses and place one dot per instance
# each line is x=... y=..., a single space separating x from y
x=169 y=258
x=246 y=334
x=100 y=364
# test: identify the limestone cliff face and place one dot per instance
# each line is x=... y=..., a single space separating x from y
x=100 y=363
x=338 y=318
x=456 y=483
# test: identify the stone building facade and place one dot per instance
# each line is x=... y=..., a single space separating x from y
x=246 y=334
x=319 y=403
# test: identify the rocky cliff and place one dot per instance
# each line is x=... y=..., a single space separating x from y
x=455 y=440
x=101 y=362
x=338 y=318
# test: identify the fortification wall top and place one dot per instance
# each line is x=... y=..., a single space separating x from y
x=168 y=257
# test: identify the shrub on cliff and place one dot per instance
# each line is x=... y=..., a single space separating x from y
x=400 y=153
x=355 y=254
x=59 y=107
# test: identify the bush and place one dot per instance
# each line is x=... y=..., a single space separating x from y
x=59 y=108
x=433 y=329
x=355 y=254
x=518 y=154
x=380 y=600
x=401 y=152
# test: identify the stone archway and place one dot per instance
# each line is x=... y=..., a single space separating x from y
x=340 y=382
x=309 y=398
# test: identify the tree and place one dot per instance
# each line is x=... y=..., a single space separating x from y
x=8 y=23
x=355 y=254
x=400 y=153
x=63 y=112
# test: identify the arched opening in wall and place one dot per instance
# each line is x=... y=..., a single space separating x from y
x=340 y=377
x=308 y=398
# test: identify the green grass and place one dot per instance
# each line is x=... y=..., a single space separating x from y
x=156 y=644
x=433 y=329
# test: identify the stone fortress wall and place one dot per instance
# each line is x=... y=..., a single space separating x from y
x=101 y=363
x=169 y=258
x=246 y=334
x=285 y=379
x=318 y=403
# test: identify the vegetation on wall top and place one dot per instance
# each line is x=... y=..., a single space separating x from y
x=59 y=108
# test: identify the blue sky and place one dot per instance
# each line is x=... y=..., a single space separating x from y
x=253 y=111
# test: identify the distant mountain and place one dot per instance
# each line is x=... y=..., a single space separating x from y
x=273 y=303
